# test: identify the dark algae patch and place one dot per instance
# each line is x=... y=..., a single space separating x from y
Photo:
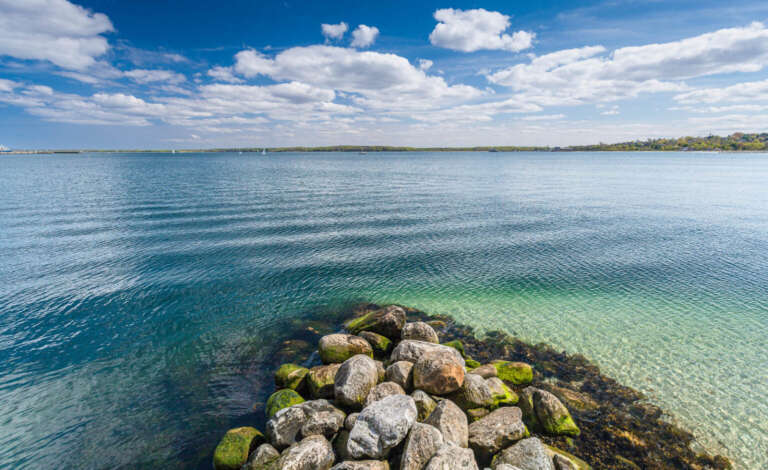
x=599 y=424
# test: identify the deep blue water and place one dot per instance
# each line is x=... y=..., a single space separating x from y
x=142 y=296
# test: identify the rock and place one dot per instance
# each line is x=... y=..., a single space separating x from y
x=382 y=390
x=411 y=351
x=285 y=425
x=517 y=373
x=525 y=403
x=387 y=321
x=451 y=422
x=381 y=344
x=234 y=448
x=476 y=413
x=502 y=395
x=451 y=457
x=528 y=454
x=362 y=465
x=339 y=347
x=575 y=400
x=471 y=363
x=562 y=463
x=340 y=443
x=312 y=453
x=438 y=373
x=320 y=380
x=486 y=371
x=499 y=429
x=419 y=331
x=553 y=416
x=354 y=381
x=381 y=426
x=290 y=376
x=401 y=372
x=421 y=445
x=565 y=461
x=282 y=399
x=263 y=458
x=349 y=423
x=474 y=393
x=424 y=404
x=322 y=418
x=504 y=466
x=457 y=345
x=381 y=371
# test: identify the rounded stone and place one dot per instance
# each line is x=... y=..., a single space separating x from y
x=381 y=426
x=451 y=422
x=422 y=444
x=412 y=350
x=517 y=373
x=354 y=381
x=282 y=399
x=497 y=430
x=438 y=373
x=419 y=331
x=451 y=457
x=401 y=372
x=339 y=347
x=474 y=393
x=528 y=454
x=320 y=380
x=381 y=344
x=290 y=376
x=387 y=321
x=382 y=390
x=424 y=404
x=312 y=453
x=233 y=449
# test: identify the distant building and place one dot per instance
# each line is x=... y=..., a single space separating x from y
x=4 y=149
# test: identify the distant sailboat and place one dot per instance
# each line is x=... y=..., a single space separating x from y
x=264 y=151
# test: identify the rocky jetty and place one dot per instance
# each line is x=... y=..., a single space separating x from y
x=398 y=389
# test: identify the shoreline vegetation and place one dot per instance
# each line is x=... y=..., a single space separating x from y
x=395 y=388
x=737 y=142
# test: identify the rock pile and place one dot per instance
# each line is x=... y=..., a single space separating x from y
x=390 y=396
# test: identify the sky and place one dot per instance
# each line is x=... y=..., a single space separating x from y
x=161 y=74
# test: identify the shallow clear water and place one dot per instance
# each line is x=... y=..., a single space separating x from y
x=140 y=294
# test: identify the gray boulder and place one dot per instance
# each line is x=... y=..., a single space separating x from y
x=412 y=350
x=262 y=458
x=451 y=422
x=421 y=445
x=322 y=418
x=312 y=453
x=474 y=393
x=401 y=372
x=354 y=381
x=495 y=431
x=362 y=465
x=419 y=331
x=339 y=347
x=382 y=390
x=381 y=426
x=528 y=454
x=451 y=457
x=349 y=422
x=283 y=428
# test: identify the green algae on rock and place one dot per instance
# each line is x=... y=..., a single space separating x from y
x=320 y=380
x=338 y=347
x=502 y=395
x=290 y=376
x=234 y=448
x=381 y=344
x=517 y=373
x=387 y=321
x=282 y=399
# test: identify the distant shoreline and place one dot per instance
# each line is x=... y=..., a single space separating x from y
x=365 y=151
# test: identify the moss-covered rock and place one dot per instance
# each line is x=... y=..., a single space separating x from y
x=472 y=364
x=525 y=403
x=381 y=345
x=553 y=415
x=282 y=399
x=558 y=454
x=517 y=373
x=291 y=376
x=476 y=413
x=320 y=380
x=339 y=347
x=457 y=345
x=387 y=321
x=234 y=448
x=502 y=395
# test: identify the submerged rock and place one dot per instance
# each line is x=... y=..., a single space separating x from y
x=419 y=331
x=528 y=454
x=312 y=453
x=320 y=380
x=381 y=426
x=452 y=457
x=497 y=430
x=421 y=445
x=282 y=399
x=290 y=376
x=382 y=390
x=234 y=448
x=517 y=373
x=411 y=351
x=354 y=381
x=339 y=347
x=438 y=373
x=451 y=422
x=387 y=321
x=401 y=372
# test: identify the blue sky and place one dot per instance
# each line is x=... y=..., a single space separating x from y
x=198 y=74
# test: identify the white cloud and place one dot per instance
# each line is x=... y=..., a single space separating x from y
x=425 y=64
x=250 y=63
x=612 y=111
x=149 y=76
x=364 y=36
x=7 y=85
x=581 y=75
x=334 y=31
x=543 y=117
x=473 y=30
x=748 y=91
x=53 y=30
x=224 y=74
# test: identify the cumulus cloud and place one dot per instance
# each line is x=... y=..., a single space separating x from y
x=334 y=31
x=149 y=76
x=748 y=91
x=7 y=85
x=425 y=64
x=224 y=74
x=364 y=36
x=250 y=63
x=54 y=30
x=473 y=30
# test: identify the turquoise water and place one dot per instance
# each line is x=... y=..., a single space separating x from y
x=141 y=295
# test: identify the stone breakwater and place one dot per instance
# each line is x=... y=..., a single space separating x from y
x=399 y=389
